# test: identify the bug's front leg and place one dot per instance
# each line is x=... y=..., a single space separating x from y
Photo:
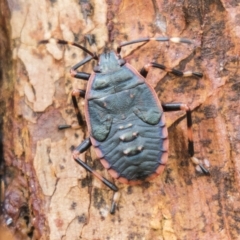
x=81 y=75
x=82 y=148
x=78 y=92
x=168 y=107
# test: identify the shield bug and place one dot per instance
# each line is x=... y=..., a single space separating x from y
x=124 y=116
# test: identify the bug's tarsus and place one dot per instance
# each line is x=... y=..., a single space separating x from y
x=204 y=170
x=197 y=74
x=61 y=127
x=115 y=199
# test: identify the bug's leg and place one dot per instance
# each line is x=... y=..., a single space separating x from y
x=76 y=74
x=73 y=71
x=159 y=39
x=145 y=69
x=82 y=148
x=75 y=93
x=168 y=107
x=78 y=92
x=81 y=75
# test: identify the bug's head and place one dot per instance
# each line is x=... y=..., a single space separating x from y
x=109 y=61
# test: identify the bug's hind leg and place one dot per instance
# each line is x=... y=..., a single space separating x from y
x=178 y=107
x=145 y=69
x=82 y=148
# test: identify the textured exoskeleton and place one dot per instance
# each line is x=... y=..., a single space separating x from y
x=126 y=121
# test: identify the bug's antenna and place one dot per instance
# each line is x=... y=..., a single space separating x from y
x=160 y=39
x=59 y=41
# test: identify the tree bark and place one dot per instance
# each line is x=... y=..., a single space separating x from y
x=47 y=195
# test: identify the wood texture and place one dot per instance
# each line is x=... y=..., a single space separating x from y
x=47 y=195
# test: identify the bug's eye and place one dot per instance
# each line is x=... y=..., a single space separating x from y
x=96 y=69
x=121 y=62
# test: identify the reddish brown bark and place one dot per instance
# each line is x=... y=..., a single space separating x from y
x=60 y=200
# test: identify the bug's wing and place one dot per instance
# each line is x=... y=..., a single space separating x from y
x=100 y=120
x=147 y=106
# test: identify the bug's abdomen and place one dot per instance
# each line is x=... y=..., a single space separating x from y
x=134 y=150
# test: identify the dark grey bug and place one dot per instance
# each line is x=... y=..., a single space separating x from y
x=126 y=122
x=125 y=118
